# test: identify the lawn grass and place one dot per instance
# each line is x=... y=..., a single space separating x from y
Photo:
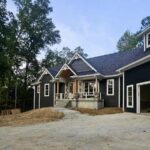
x=31 y=117
x=103 y=111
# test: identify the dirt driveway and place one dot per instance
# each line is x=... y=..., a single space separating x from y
x=81 y=132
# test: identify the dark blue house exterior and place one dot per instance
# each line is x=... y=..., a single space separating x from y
x=116 y=80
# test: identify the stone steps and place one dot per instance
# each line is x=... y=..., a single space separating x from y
x=63 y=103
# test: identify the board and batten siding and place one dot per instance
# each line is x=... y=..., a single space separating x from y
x=109 y=101
x=132 y=77
x=45 y=101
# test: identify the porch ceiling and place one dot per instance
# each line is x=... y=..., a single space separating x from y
x=65 y=73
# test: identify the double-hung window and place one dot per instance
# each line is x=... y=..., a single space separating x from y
x=46 y=89
x=130 y=96
x=110 y=87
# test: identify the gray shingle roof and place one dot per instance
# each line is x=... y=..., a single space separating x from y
x=54 y=70
x=80 y=67
x=106 y=64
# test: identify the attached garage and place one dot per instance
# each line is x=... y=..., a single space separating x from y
x=143 y=97
x=136 y=86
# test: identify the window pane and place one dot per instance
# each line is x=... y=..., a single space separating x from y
x=110 y=86
x=130 y=96
x=91 y=87
x=46 y=90
x=149 y=39
x=86 y=87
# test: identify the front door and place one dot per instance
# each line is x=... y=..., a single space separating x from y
x=61 y=87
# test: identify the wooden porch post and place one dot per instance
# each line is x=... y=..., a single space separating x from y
x=57 y=87
x=96 y=81
x=76 y=86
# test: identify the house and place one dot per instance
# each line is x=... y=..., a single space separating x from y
x=116 y=80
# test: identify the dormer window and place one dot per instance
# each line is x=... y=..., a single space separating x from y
x=148 y=40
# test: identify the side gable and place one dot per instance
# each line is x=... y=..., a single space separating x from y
x=81 y=66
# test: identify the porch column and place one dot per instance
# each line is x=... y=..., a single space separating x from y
x=96 y=82
x=54 y=93
x=57 y=87
x=76 y=86
x=34 y=97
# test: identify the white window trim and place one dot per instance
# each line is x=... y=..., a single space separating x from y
x=38 y=89
x=45 y=89
x=147 y=45
x=113 y=87
x=130 y=106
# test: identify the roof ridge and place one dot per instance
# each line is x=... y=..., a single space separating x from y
x=114 y=53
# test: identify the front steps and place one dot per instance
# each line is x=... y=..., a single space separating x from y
x=63 y=103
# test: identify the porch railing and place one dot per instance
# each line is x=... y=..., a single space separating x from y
x=81 y=95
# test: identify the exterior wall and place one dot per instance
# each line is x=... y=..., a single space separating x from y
x=132 y=77
x=45 y=101
x=91 y=104
x=109 y=101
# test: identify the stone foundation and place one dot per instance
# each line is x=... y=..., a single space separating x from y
x=91 y=104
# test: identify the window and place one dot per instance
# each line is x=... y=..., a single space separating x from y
x=46 y=89
x=110 y=87
x=89 y=87
x=130 y=96
x=38 y=89
x=148 y=40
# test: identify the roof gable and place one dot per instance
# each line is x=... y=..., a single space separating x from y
x=65 y=67
x=45 y=72
x=81 y=65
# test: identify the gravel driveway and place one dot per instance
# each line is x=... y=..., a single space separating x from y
x=81 y=132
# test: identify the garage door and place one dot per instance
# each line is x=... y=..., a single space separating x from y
x=143 y=97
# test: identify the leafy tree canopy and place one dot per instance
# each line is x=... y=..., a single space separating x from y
x=129 y=40
x=35 y=31
x=54 y=58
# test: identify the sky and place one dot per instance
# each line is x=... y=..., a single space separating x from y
x=95 y=25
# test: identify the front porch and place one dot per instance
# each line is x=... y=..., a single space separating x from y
x=75 y=91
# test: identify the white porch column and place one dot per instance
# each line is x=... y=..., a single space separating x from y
x=123 y=104
x=97 y=84
x=119 y=92
x=34 y=98
x=54 y=93
x=39 y=96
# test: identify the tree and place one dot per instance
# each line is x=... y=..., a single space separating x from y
x=66 y=53
x=8 y=52
x=80 y=51
x=145 y=22
x=35 y=31
x=52 y=59
x=128 y=41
